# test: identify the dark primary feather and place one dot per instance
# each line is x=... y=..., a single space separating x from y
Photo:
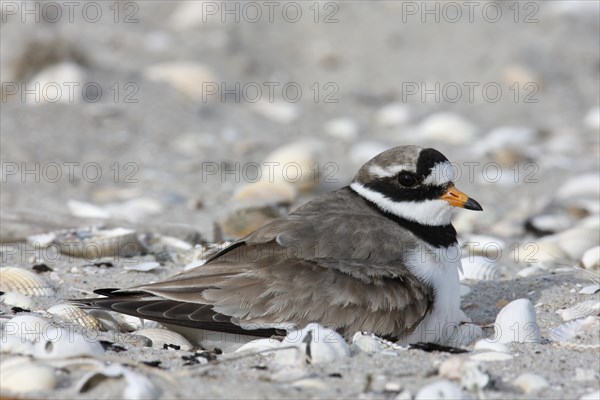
x=341 y=266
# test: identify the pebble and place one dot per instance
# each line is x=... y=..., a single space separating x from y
x=278 y=111
x=393 y=115
x=440 y=390
x=51 y=83
x=342 y=128
x=531 y=383
x=447 y=128
x=486 y=344
x=187 y=78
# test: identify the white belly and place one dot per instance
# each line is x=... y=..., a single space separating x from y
x=439 y=269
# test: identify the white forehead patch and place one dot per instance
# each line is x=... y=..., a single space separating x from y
x=392 y=170
x=440 y=174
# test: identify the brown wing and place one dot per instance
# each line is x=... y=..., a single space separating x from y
x=343 y=269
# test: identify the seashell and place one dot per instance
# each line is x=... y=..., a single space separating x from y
x=13 y=344
x=592 y=122
x=58 y=343
x=342 y=128
x=314 y=343
x=72 y=313
x=440 y=390
x=143 y=267
x=296 y=164
x=580 y=186
x=259 y=346
x=20 y=280
x=450 y=368
x=565 y=333
x=392 y=115
x=187 y=78
x=16 y=299
x=531 y=383
x=137 y=386
x=505 y=137
x=83 y=209
x=516 y=322
x=547 y=224
x=531 y=270
x=481 y=245
x=365 y=344
x=581 y=310
x=591 y=258
x=491 y=356
x=29 y=327
x=576 y=241
x=243 y=221
x=165 y=337
x=486 y=344
x=478 y=268
x=21 y=375
x=98 y=242
x=278 y=111
x=592 y=289
x=447 y=127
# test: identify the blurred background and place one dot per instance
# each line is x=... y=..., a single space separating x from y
x=165 y=112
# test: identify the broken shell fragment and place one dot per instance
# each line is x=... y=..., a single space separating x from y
x=365 y=344
x=581 y=310
x=566 y=333
x=20 y=280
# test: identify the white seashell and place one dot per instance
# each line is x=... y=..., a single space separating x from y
x=591 y=396
x=13 y=344
x=29 y=327
x=576 y=241
x=259 y=346
x=315 y=343
x=592 y=289
x=72 y=313
x=516 y=322
x=277 y=111
x=580 y=186
x=393 y=115
x=491 y=356
x=137 y=386
x=532 y=270
x=95 y=242
x=16 y=299
x=472 y=378
x=143 y=267
x=581 y=310
x=21 y=375
x=565 y=333
x=486 y=344
x=478 y=268
x=60 y=343
x=591 y=258
x=482 y=245
x=342 y=128
x=365 y=344
x=83 y=209
x=20 y=280
x=531 y=383
x=440 y=390
x=447 y=127
x=187 y=78
x=296 y=164
x=165 y=337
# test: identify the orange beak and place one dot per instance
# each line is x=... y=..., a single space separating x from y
x=456 y=198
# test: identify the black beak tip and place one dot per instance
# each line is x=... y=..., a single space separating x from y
x=473 y=205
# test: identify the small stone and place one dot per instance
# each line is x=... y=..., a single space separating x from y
x=440 y=390
x=392 y=115
x=447 y=128
x=531 y=383
x=342 y=128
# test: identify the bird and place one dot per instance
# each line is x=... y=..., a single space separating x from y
x=379 y=255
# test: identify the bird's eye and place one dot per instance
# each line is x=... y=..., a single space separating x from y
x=407 y=179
